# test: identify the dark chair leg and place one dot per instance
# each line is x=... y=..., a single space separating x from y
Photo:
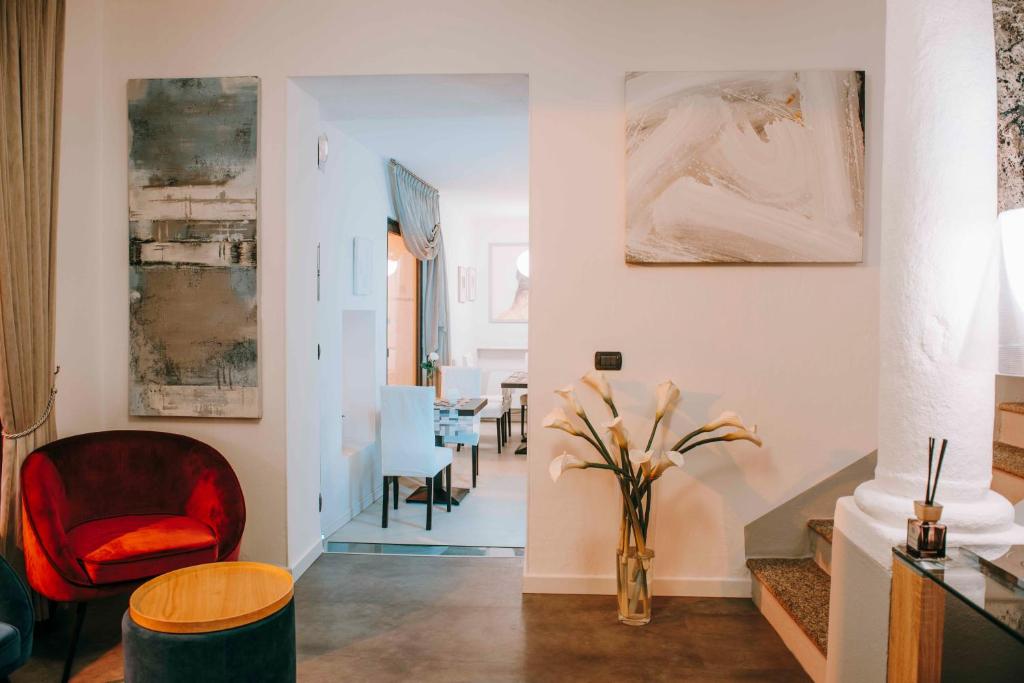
x=395 y=482
x=384 y=506
x=458 y=447
x=448 y=486
x=476 y=463
x=497 y=431
x=430 y=502
x=508 y=423
x=522 y=420
x=76 y=630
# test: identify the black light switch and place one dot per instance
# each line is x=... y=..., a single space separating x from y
x=607 y=360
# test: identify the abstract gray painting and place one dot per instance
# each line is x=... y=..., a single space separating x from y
x=192 y=185
x=761 y=166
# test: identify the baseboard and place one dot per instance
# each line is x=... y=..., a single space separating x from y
x=367 y=501
x=306 y=561
x=605 y=585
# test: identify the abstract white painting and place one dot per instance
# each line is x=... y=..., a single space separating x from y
x=757 y=167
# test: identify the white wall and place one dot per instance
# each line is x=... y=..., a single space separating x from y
x=470 y=228
x=353 y=202
x=793 y=348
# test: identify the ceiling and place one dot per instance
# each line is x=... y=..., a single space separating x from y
x=465 y=134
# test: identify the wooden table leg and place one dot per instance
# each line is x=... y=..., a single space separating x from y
x=917 y=607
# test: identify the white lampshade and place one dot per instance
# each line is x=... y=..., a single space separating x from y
x=1011 y=294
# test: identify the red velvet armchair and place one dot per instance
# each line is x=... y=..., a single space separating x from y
x=105 y=511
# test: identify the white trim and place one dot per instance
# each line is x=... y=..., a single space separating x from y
x=307 y=559
x=793 y=637
x=725 y=587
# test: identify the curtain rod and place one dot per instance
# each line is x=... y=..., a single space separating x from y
x=395 y=163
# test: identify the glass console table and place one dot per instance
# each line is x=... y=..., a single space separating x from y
x=956 y=619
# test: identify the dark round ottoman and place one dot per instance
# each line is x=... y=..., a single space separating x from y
x=228 y=621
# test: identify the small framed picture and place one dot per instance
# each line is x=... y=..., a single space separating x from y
x=463 y=285
x=471 y=284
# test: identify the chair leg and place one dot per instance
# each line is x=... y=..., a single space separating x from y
x=497 y=431
x=430 y=502
x=458 y=448
x=508 y=424
x=76 y=631
x=476 y=463
x=522 y=420
x=395 y=482
x=384 y=506
x=448 y=486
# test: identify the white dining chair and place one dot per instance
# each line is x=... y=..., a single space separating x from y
x=498 y=405
x=407 y=444
x=458 y=383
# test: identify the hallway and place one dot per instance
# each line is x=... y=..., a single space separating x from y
x=387 y=618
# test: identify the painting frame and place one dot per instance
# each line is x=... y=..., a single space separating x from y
x=501 y=258
x=193 y=221
x=745 y=167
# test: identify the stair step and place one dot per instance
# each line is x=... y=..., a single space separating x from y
x=822 y=527
x=802 y=589
x=1012 y=407
x=1010 y=427
x=1009 y=459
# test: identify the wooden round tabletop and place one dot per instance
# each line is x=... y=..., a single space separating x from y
x=211 y=597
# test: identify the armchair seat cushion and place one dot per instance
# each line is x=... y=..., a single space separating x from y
x=134 y=547
x=10 y=646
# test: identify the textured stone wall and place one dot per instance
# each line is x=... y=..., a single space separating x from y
x=1009 y=27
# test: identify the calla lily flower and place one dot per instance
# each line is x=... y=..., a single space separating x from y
x=433 y=356
x=726 y=419
x=619 y=434
x=668 y=459
x=599 y=383
x=557 y=419
x=566 y=461
x=643 y=458
x=668 y=393
x=568 y=394
x=744 y=435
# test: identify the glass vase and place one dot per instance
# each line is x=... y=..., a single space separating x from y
x=633 y=571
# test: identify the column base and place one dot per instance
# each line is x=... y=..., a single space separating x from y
x=882 y=520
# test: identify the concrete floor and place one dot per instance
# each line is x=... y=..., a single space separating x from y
x=388 y=618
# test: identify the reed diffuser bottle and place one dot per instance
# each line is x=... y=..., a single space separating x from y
x=926 y=537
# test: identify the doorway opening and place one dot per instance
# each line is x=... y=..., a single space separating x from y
x=403 y=285
x=464 y=137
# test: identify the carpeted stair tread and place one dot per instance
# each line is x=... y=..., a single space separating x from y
x=1012 y=407
x=1007 y=458
x=801 y=588
x=822 y=527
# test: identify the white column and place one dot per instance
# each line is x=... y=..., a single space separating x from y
x=937 y=316
x=938 y=296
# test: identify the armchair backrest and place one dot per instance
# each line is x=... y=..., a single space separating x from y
x=113 y=473
x=459 y=383
x=406 y=427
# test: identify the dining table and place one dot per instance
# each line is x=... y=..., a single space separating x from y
x=448 y=417
x=517 y=380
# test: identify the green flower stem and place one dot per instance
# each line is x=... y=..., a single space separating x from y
x=679 y=444
x=654 y=429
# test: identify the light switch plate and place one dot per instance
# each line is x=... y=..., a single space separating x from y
x=608 y=360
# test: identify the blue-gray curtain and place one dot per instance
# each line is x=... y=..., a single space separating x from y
x=419 y=213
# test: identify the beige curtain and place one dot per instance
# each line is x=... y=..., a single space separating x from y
x=31 y=52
